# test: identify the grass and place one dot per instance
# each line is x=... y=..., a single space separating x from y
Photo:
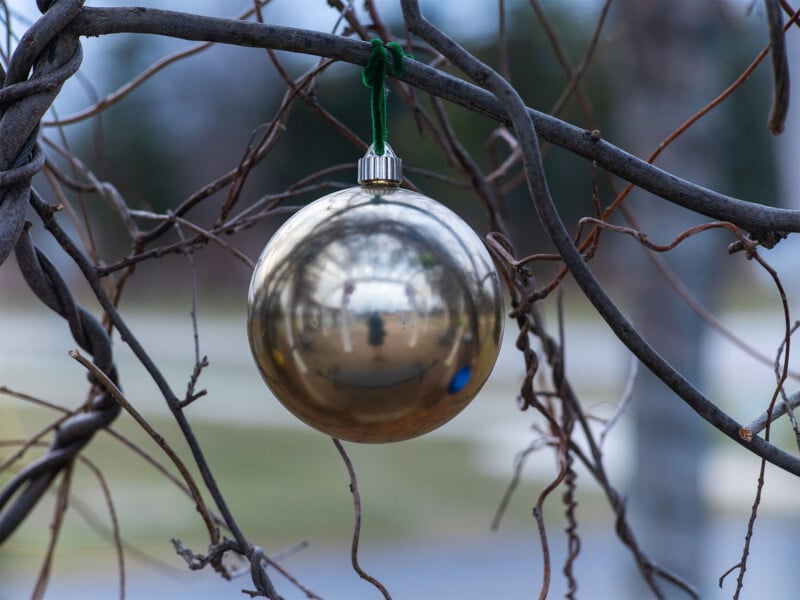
x=283 y=486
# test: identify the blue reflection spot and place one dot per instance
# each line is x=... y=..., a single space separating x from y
x=459 y=380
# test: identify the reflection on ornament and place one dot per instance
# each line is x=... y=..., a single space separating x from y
x=375 y=313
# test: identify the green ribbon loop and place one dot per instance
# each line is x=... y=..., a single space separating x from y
x=374 y=77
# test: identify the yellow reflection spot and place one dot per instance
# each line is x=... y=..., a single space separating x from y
x=279 y=359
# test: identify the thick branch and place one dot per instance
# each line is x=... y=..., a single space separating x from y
x=752 y=217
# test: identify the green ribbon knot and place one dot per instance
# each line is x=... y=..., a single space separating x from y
x=374 y=77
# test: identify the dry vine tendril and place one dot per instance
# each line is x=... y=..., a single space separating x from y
x=50 y=52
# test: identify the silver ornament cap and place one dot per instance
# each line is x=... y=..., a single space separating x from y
x=375 y=169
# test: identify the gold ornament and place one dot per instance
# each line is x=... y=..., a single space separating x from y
x=375 y=313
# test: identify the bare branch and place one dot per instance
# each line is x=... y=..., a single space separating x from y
x=750 y=216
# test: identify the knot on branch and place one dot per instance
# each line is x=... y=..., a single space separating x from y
x=43 y=60
x=769 y=239
x=75 y=432
x=196 y=561
x=216 y=552
x=765 y=239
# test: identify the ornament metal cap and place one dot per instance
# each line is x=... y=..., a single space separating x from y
x=374 y=169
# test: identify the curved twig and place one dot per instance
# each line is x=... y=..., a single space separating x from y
x=357 y=527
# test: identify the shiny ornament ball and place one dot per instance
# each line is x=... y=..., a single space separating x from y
x=375 y=314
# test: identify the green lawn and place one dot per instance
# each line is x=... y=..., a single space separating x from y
x=284 y=486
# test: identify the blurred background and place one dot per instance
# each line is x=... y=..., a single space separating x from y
x=428 y=503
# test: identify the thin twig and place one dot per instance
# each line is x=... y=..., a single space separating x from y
x=742 y=564
x=519 y=464
x=782 y=374
x=780 y=68
x=357 y=527
x=122 y=92
x=130 y=551
x=193 y=312
x=115 y=531
x=204 y=233
x=108 y=385
x=199 y=364
x=566 y=64
x=60 y=509
x=468 y=166
x=33 y=440
x=624 y=401
x=502 y=43
x=7 y=391
x=161 y=468
x=781 y=368
x=694 y=303
x=577 y=74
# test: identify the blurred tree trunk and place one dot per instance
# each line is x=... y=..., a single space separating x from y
x=665 y=71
